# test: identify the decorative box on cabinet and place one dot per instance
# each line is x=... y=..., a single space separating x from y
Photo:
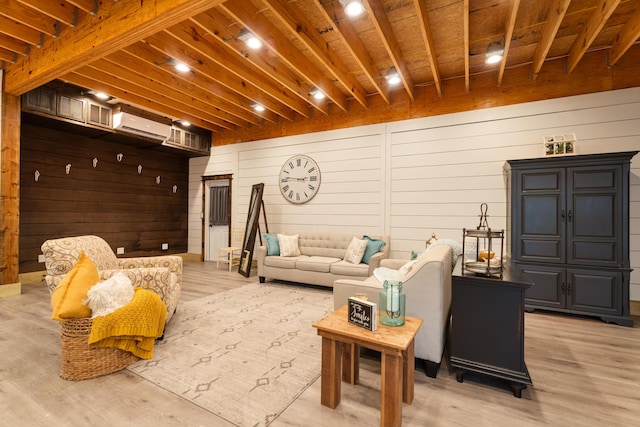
x=570 y=232
x=487 y=325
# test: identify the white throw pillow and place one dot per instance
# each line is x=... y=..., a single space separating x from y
x=288 y=245
x=355 y=251
x=108 y=296
x=385 y=273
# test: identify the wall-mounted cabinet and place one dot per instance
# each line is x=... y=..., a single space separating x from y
x=191 y=141
x=58 y=104
x=570 y=232
x=98 y=115
x=42 y=99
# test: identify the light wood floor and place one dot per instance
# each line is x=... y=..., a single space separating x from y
x=585 y=373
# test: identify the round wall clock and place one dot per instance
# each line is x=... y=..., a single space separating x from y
x=299 y=179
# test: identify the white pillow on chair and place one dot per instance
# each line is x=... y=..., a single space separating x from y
x=109 y=295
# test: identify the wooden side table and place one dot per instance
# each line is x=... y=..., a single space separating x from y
x=341 y=342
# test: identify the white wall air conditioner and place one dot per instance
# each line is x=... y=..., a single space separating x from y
x=141 y=126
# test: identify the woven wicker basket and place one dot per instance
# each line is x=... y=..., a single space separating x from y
x=80 y=361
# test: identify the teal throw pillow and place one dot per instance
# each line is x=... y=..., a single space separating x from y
x=273 y=247
x=373 y=247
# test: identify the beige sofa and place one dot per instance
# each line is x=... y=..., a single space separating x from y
x=427 y=286
x=161 y=274
x=321 y=261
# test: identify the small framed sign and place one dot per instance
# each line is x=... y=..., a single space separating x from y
x=559 y=144
x=363 y=313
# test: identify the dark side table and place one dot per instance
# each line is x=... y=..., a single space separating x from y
x=487 y=325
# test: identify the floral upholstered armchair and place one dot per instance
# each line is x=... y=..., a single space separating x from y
x=161 y=274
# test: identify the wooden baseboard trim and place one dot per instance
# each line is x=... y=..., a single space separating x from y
x=191 y=257
x=635 y=308
x=10 y=290
x=32 y=277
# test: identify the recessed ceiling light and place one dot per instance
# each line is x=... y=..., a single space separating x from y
x=318 y=94
x=259 y=108
x=393 y=78
x=352 y=8
x=185 y=123
x=101 y=95
x=250 y=40
x=182 y=67
x=495 y=52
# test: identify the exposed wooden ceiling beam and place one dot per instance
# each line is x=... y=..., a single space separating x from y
x=117 y=24
x=109 y=73
x=217 y=30
x=385 y=32
x=58 y=10
x=556 y=14
x=304 y=30
x=137 y=101
x=89 y=6
x=204 y=88
x=178 y=100
x=20 y=31
x=234 y=72
x=508 y=34
x=625 y=38
x=272 y=37
x=335 y=17
x=7 y=55
x=425 y=28
x=187 y=93
x=590 y=31
x=29 y=17
x=465 y=19
x=13 y=45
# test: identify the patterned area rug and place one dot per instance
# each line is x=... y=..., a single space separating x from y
x=244 y=354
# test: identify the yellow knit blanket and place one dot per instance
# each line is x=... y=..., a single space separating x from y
x=132 y=328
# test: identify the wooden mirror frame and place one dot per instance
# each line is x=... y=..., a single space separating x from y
x=253 y=215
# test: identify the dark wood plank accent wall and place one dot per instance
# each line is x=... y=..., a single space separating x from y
x=112 y=200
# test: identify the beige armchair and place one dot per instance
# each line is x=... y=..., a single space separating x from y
x=427 y=286
x=161 y=274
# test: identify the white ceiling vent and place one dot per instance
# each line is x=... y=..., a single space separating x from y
x=141 y=126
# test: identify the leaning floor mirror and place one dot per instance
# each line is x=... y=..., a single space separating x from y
x=253 y=215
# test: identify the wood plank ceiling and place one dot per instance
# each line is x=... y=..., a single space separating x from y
x=128 y=50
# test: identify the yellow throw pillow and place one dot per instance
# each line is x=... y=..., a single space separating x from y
x=67 y=297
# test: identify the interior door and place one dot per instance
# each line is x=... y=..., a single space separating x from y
x=217 y=232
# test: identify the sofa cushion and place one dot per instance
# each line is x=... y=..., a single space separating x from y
x=273 y=248
x=355 y=251
x=288 y=245
x=315 y=263
x=281 y=262
x=373 y=247
x=67 y=298
x=345 y=268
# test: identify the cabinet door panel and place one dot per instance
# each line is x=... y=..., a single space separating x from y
x=594 y=207
x=595 y=291
x=548 y=285
x=487 y=324
x=540 y=229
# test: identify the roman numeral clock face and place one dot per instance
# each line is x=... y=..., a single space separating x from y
x=299 y=179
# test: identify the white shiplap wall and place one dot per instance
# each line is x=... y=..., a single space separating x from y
x=413 y=178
